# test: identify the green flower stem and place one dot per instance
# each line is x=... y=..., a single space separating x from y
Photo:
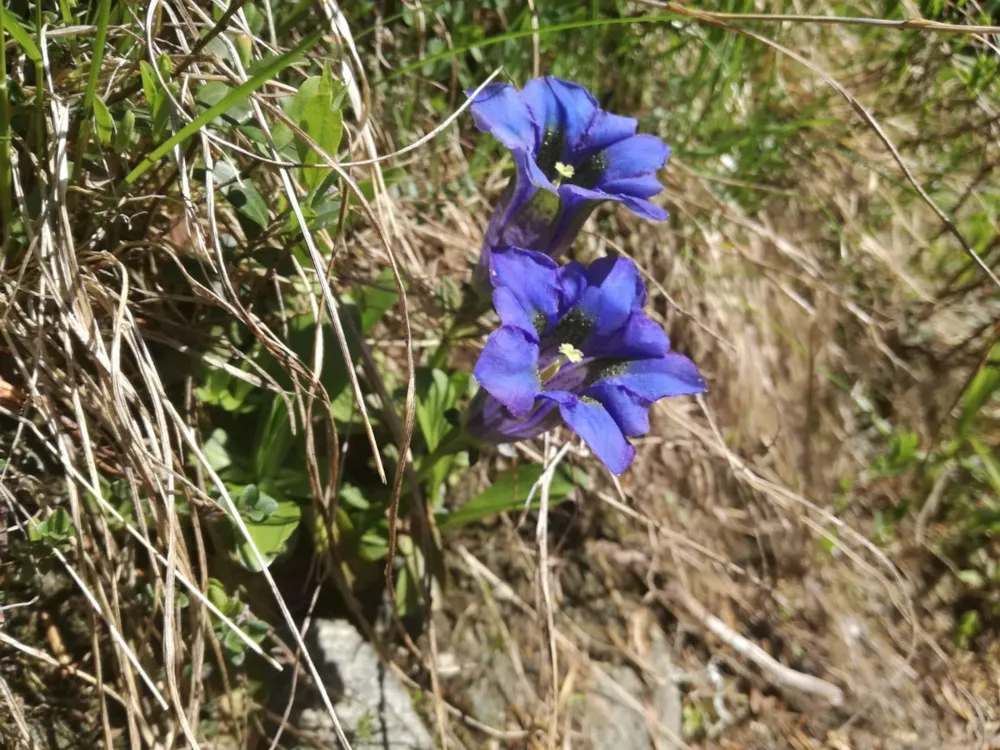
x=461 y=325
x=6 y=169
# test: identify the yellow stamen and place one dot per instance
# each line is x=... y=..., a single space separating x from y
x=565 y=171
x=571 y=353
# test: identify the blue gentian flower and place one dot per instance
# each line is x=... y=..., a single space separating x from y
x=570 y=156
x=574 y=345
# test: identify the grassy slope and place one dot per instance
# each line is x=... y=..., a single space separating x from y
x=834 y=499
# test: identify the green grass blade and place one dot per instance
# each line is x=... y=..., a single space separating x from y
x=489 y=41
x=6 y=170
x=103 y=12
x=20 y=35
x=237 y=95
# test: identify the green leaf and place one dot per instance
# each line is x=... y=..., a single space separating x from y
x=509 y=492
x=97 y=58
x=105 y=123
x=376 y=299
x=231 y=607
x=274 y=440
x=20 y=35
x=321 y=119
x=352 y=496
x=125 y=131
x=989 y=463
x=223 y=390
x=409 y=577
x=255 y=506
x=374 y=543
x=56 y=529
x=275 y=536
x=215 y=450
x=213 y=92
x=159 y=105
x=372 y=303
x=437 y=393
x=241 y=193
x=982 y=388
x=266 y=73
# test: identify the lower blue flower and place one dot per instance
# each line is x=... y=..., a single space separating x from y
x=574 y=346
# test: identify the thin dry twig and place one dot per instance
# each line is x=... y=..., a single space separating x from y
x=782 y=676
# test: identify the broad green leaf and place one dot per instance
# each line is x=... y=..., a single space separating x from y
x=266 y=73
x=255 y=506
x=274 y=536
x=353 y=497
x=228 y=605
x=390 y=177
x=213 y=92
x=376 y=299
x=510 y=492
x=222 y=389
x=371 y=305
x=20 y=35
x=322 y=120
x=982 y=388
x=241 y=193
x=105 y=123
x=215 y=450
x=374 y=543
x=323 y=214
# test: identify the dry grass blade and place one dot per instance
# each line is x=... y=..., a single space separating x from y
x=908 y=24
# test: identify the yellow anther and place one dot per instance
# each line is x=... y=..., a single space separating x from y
x=565 y=170
x=571 y=353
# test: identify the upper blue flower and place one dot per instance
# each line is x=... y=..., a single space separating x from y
x=574 y=343
x=565 y=145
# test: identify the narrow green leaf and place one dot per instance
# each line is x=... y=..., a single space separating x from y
x=103 y=10
x=274 y=440
x=989 y=463
x=523 y=33
x=125 y=131
x=105 y=123
x=503 y=496
x=266 y=74
x=155 y=97
x=6 y=164
x=982 y=388
x=20 y=35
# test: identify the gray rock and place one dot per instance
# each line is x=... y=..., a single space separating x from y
x=495 y=687
x=667 y=701
x=612 y=721
x=372 y=706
